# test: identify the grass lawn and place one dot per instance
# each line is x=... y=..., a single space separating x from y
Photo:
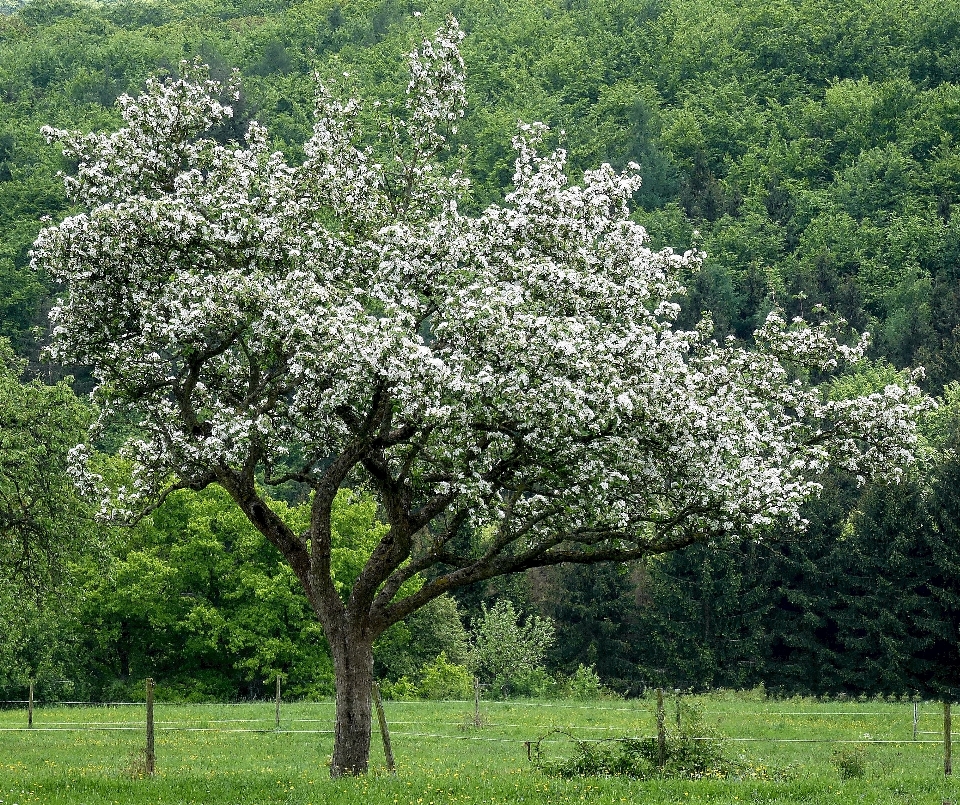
x=208 y=754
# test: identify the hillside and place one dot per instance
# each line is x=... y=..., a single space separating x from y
x=813 y=145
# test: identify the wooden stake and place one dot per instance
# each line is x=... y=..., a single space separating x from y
x=30 y=707
x=278 y=702
x=476 y=702
x=947 y=748
x=916 y=718
x=384 y=732
x=151 y=757
x=661 y=731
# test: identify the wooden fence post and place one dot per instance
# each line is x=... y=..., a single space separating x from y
x=30 y=706
x=151 y=757
x=277 y=726
x=476 y=702
x=947 y=740
x=384 y=732
x=661 y=731
x=916 y=718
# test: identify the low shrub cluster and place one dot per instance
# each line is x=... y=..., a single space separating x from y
x=850 y=762
x=583 y=685
x=443 y=679
x=694 y=751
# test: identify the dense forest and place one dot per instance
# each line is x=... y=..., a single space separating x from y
x=810 y=148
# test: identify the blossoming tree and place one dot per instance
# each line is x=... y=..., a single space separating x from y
x=510 y=384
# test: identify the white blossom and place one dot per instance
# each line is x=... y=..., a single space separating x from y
x=517 y=374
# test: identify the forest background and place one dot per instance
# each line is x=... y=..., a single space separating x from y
x=810 y=147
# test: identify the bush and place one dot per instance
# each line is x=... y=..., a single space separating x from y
x=692 y=753
x=403 y=688
x=536 y=683
x=312 y=691
x=441 y=679
x=850 y=762
x=584 y=684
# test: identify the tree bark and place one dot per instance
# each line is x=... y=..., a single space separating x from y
x=353 y=669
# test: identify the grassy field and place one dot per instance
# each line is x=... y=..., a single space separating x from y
x=211 y=754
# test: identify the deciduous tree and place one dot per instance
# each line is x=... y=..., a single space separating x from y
x=510 y=384
x=504 y=649
x=42 y=519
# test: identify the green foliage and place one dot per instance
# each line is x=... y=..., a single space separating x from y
x=533 y=683
x=442 y=679
x=850 y=762
x=868 y=378
x=42 y=519
x=401 y=688
x=407 y=646
x=585 y=684
x=356 y=532
x=199 y=600
x=507 y=651
x=44 y=527
x=40 y=641
x=195 y=598
x=596 y=611
x=693 y=752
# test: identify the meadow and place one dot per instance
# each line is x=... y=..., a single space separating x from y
x=787 y=751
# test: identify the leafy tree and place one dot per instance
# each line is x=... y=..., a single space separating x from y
x=42 y=519
x=197 y=599
x=509 y=384
x=506 y=650
x=43 y=525
x=41 y=641
x=406 y=647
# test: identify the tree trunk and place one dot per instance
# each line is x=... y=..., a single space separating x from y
x=353 y=670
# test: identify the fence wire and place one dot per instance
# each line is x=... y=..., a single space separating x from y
x=244 y=725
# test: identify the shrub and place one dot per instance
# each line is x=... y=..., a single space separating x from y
x=584 y=684
x=693 y=752
x=532 y=683
x=850 y=762
x=441 y=679
x=403 y=688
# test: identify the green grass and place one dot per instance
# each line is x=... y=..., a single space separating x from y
x=64 y=760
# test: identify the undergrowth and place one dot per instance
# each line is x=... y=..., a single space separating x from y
x=691 y=751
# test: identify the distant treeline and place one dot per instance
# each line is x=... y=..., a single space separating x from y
x=867 y=602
